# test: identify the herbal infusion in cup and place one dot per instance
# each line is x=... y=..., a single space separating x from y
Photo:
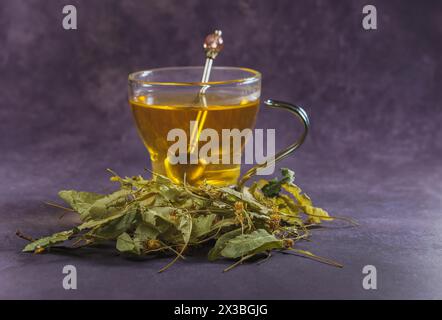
x=158 y=113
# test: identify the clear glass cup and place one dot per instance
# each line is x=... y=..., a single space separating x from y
x=169 y=99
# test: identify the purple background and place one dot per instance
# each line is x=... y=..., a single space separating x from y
x=373 y=154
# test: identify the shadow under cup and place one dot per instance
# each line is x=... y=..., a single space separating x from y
x=172 y=111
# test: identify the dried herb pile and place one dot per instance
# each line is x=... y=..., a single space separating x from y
x=157 y=216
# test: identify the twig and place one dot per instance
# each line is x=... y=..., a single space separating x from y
x=19 y=234
x=269 y=255
x=237 y=263
x=308 y=254
x=58 y=206
x=186 y=243
x=173 y=261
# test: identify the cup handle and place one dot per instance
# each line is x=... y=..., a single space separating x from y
x=302 y=116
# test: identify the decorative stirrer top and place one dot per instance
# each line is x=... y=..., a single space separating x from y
x=213 y=44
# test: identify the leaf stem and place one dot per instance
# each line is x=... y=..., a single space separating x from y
x=308 y=254
x=19 y=234
x=237 y=263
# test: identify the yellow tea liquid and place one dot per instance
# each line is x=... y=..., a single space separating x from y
x=156 y=116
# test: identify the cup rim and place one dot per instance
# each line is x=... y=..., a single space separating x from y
x=255 y=76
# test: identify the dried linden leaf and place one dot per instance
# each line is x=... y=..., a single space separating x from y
x=126 y=244
x=47 y=242
x=157 y=215
x=215 y=252
x=256 y=242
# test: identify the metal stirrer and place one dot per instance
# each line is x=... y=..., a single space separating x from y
x=213 y=44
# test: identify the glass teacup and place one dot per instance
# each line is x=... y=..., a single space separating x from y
x=168 y=101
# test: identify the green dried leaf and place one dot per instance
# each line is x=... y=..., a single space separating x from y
x=215 y=252
x=145 y=232
x=202 y=225
x=185 y=226
x=259 y=210
x=97 y=223
x=126 y=244
x=253 y=243
x=80 y=201
x=109 y=205
x=273 y=188
x=92 y=206
x=162 y=218
x=316 y=215
x=46 y=242
x=224 y=223
x=115 y=227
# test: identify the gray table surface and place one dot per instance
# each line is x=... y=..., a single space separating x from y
x=373 y=153
x=399 y=234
